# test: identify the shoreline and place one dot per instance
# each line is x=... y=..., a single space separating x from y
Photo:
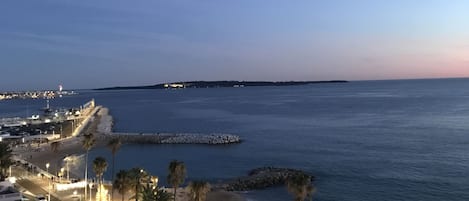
x=100 y=124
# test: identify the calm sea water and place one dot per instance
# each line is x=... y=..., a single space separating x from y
x=364 y=141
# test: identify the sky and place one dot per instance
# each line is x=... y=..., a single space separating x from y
x=103 y=43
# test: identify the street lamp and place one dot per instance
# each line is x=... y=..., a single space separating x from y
x=91 y=185
x=68 y=160
x=75 y=193
x=61 y=173
x=154 y=180
x=48 y=185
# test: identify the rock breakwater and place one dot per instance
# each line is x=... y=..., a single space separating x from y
x=176 y=138
x=261 y=178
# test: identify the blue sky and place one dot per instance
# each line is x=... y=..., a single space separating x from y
x=98 y=43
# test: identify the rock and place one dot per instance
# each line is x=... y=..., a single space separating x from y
x=260 y=178
x=180 y=138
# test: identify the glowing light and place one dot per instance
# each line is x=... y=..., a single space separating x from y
x=65 y=187
x=12 y=180
x=102 y=194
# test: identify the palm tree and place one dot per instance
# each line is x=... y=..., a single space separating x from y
x=122 y=183
x=5 y=160
x=113 y=144
x=198 y=190
x=299 y=185
x=99 y=167
x=177 y=174
x=151 y=193
x=87 y=143
x=137 y=175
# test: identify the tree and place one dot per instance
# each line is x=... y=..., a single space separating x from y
x=137 y=176
x=152 y=193
x=5 y=160
x=99 y=167
x=177 y=174
x=299 y=185
x=87 y=143
x=113 y=144
x=198 y=190
x=122 y=183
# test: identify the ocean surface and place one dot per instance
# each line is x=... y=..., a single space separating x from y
x=403 y=140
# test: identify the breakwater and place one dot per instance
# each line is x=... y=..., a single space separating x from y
x=104 y=128
x=175 y=138
x=261 y=178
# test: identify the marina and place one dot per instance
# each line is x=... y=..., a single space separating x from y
x=45 y=94
x=52 y=124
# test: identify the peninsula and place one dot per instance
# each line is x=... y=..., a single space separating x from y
x=218 y=84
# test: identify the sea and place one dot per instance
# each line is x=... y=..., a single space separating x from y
x=396 y=140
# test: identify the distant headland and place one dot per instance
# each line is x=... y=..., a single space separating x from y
x=218 y=84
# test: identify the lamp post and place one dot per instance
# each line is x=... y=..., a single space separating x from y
x=61 y=173
x=48 y=182
x=68 y=160
x=68 y=171
x=154 y=180
x=91 y=190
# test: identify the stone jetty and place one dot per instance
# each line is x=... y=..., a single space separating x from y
x=176 y=138
x=261 y=178
x=105 y=129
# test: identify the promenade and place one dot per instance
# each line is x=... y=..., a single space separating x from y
x=33 y=176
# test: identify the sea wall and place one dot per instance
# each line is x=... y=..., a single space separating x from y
x=89 y=117
x=261 y=178
x=105 y=121
x=175 y=138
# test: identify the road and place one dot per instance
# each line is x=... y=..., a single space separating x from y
x=34 y=188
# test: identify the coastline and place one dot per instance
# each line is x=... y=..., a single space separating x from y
x=100 y=124
x=219 y=84
x=68 y=147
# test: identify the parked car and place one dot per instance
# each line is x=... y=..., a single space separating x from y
x=40 y=198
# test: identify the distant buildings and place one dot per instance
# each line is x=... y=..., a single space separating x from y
x=33 y=94
x=174 y=85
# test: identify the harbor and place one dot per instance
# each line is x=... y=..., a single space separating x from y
x=45 y=94
x=53 y=124
x=38 y=160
